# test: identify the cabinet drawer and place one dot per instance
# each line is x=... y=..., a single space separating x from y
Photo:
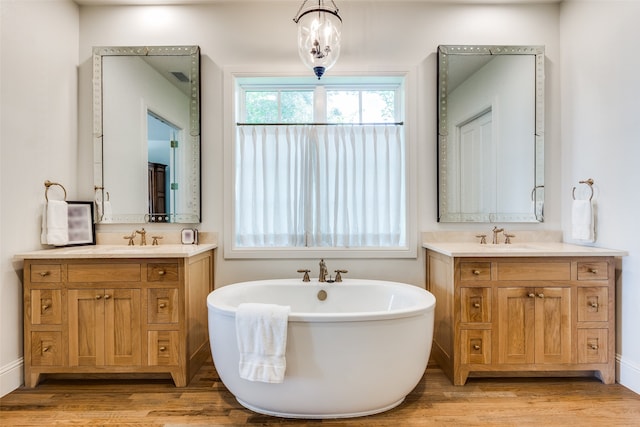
x=475 y=305
x=593 y=304
x=46 y=273
x=96 y=273
x=162 y=272
x=474 y=271
x=162 y=305
x=163 y=348
x=593 y=271
x=593 y=345
x=46 y=306
x=476 y=346
x=534 y=271
x=46 y=348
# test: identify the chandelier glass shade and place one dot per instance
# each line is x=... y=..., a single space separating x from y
x=319 y=32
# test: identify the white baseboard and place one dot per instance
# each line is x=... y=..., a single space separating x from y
x=628 y=374
x=11 y=376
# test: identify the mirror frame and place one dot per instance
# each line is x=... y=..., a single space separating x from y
x=537 y=191
x=193 y=53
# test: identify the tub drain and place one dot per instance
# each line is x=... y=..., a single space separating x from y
x=322 y=295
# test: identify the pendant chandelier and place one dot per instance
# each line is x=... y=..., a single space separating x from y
x=319 y=28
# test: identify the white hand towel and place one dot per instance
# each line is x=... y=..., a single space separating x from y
x=261 y=331
x=55 y=223
x=107 y=211
x=582 y=225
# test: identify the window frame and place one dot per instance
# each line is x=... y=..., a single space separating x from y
x=232 y=104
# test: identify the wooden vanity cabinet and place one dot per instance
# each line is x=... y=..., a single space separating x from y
x=116 y=316
x=506 y=316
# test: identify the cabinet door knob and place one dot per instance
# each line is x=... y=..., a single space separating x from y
x=107 y=296
x=476 y=305
x=98 y=296
x=540 y=295
x=532 y=295
x=44 y=273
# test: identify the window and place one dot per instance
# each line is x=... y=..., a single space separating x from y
x=320 y=166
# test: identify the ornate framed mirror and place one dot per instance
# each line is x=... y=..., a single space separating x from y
x=490 y=133
x=146 y=131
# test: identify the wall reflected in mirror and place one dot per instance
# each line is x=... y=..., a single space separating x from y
x=147 y=134
x=490 y=133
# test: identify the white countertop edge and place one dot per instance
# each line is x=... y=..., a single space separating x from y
x=533 y=249
x=118 y=251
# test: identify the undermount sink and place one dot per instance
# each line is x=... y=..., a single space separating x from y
x=508 y=247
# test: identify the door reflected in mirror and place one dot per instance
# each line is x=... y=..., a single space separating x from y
x=490 y=133
x=147 y=134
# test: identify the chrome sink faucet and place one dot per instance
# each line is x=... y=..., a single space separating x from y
x=496 y=230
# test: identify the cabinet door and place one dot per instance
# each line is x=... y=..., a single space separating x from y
x=553 y=325
x=86 y=327
x=104 y=327
x=534 y=325
x=122 y=327
x=516 y=325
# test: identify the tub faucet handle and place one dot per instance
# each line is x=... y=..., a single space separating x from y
x=339 y=276
x=305 y=278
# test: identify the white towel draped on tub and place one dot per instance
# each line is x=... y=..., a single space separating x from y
x=582 y=221
x=261 y=331
x=55 y=223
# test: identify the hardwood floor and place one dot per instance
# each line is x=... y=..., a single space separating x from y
x=434 y=402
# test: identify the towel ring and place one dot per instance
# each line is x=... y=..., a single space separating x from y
x=48 y=184
x=589 y=182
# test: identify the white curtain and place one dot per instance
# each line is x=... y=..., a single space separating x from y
x=320 y=186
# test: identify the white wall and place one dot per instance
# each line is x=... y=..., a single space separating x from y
x=38 y=141
x=601 y=140
x=262 y=37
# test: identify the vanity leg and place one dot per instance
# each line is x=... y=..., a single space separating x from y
x=607 y=376
x=31 y=379
x=179 y=378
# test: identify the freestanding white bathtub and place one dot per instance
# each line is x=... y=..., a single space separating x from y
x=358 y=352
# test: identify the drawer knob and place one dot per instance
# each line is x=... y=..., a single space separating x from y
x=45 y=307
x=161 y=272
x=44 y=273
x=162 y=305
x=163 y=348
x=476 y=272
x=476 y=305
x=476 y=347
x=593 y=270
x=594 y=305
x=45 y=349
x=594 y=346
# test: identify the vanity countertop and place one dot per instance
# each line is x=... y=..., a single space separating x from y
x=523 y=249
x=119 y=251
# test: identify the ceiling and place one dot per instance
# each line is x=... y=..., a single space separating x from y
x=178 y=2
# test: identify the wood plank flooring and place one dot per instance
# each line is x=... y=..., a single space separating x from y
x=434 y=402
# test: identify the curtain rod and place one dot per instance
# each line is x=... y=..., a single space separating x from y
x=320 y=124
